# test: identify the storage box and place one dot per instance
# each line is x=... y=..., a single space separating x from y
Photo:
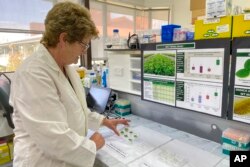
x=122 y=107
x=213 y=28
x=241 y=25
x=197 y=4
x=235 y=140
x=4 y=153
x=226 y=148
x=167 y=32
x=199 y=12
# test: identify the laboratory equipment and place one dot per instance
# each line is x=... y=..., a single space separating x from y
x=97 y=98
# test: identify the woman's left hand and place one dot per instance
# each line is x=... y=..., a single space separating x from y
x=112 y=123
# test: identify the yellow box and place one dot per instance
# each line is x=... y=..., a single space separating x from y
x=213 y=28
x=241 y=25
x=4 y=154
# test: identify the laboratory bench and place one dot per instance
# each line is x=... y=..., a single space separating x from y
x=161 y=137
x=164 y=140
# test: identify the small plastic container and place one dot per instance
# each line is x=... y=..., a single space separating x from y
x=122 y=107
x=92 y=77
x=116 y=39
x=167 y=32
x=180 y=34
x=190 y=36
x=235 y=140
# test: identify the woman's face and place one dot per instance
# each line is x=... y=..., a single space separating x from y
x=75 y=50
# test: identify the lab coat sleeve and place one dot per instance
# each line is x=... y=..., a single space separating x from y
x=45 y=120
x=94 y=120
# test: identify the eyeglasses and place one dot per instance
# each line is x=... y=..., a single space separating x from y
x=84 y=45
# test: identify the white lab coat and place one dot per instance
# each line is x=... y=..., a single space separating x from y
x=51 y=118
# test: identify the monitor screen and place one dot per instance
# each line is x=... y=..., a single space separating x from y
x=97 y=98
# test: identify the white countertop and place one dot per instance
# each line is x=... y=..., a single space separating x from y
x=105 y=159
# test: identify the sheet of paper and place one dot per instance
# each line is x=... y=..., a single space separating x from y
x=133 y=143
x=177 y=154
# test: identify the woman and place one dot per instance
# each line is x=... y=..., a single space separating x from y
x=50 y=113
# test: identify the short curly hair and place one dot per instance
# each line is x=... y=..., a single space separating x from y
x=71 y=18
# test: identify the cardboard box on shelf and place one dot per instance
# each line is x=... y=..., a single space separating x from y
x=197 y=4
x=241 y=25
x=196 y=14
x=213 y=28
x=199 y=12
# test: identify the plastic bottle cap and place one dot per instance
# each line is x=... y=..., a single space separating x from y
x=115 y=30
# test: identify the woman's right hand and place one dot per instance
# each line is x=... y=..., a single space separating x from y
x=98 y=139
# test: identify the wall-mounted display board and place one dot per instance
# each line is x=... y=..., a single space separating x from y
x=190 y=75
x=239 y=101
x=159 y=76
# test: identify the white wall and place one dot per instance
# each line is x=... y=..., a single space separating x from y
x=241 y=3
x=181 y=13
x=158 y=3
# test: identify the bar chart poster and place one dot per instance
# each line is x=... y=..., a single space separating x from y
x=200 y=64
x=159 y=76
x=241 y=100
x=199 y=96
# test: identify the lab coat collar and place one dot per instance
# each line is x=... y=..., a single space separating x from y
x=44 y=53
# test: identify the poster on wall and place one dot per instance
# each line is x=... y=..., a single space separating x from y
x=199 y=96
x=241 y=99
x=199 y=78
x=242 y=70
x=241 y=104
x=159 y=76
x=200 y=64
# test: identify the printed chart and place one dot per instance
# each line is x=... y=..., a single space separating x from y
x=241 y=105
x=242 y=71
x=127 y=147
x=162 y=91
x=200 y=64
x=159 y=63
x=159 y=76
x=177 y=154
x=199 y=96
x=241 y=100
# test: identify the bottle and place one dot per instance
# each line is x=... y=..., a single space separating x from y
x=98 y=78
x=116 y=39
x=104 y=79
x=92 y=77
x=82 y=72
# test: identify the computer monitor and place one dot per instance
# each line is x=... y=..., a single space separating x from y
x=98 y=98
